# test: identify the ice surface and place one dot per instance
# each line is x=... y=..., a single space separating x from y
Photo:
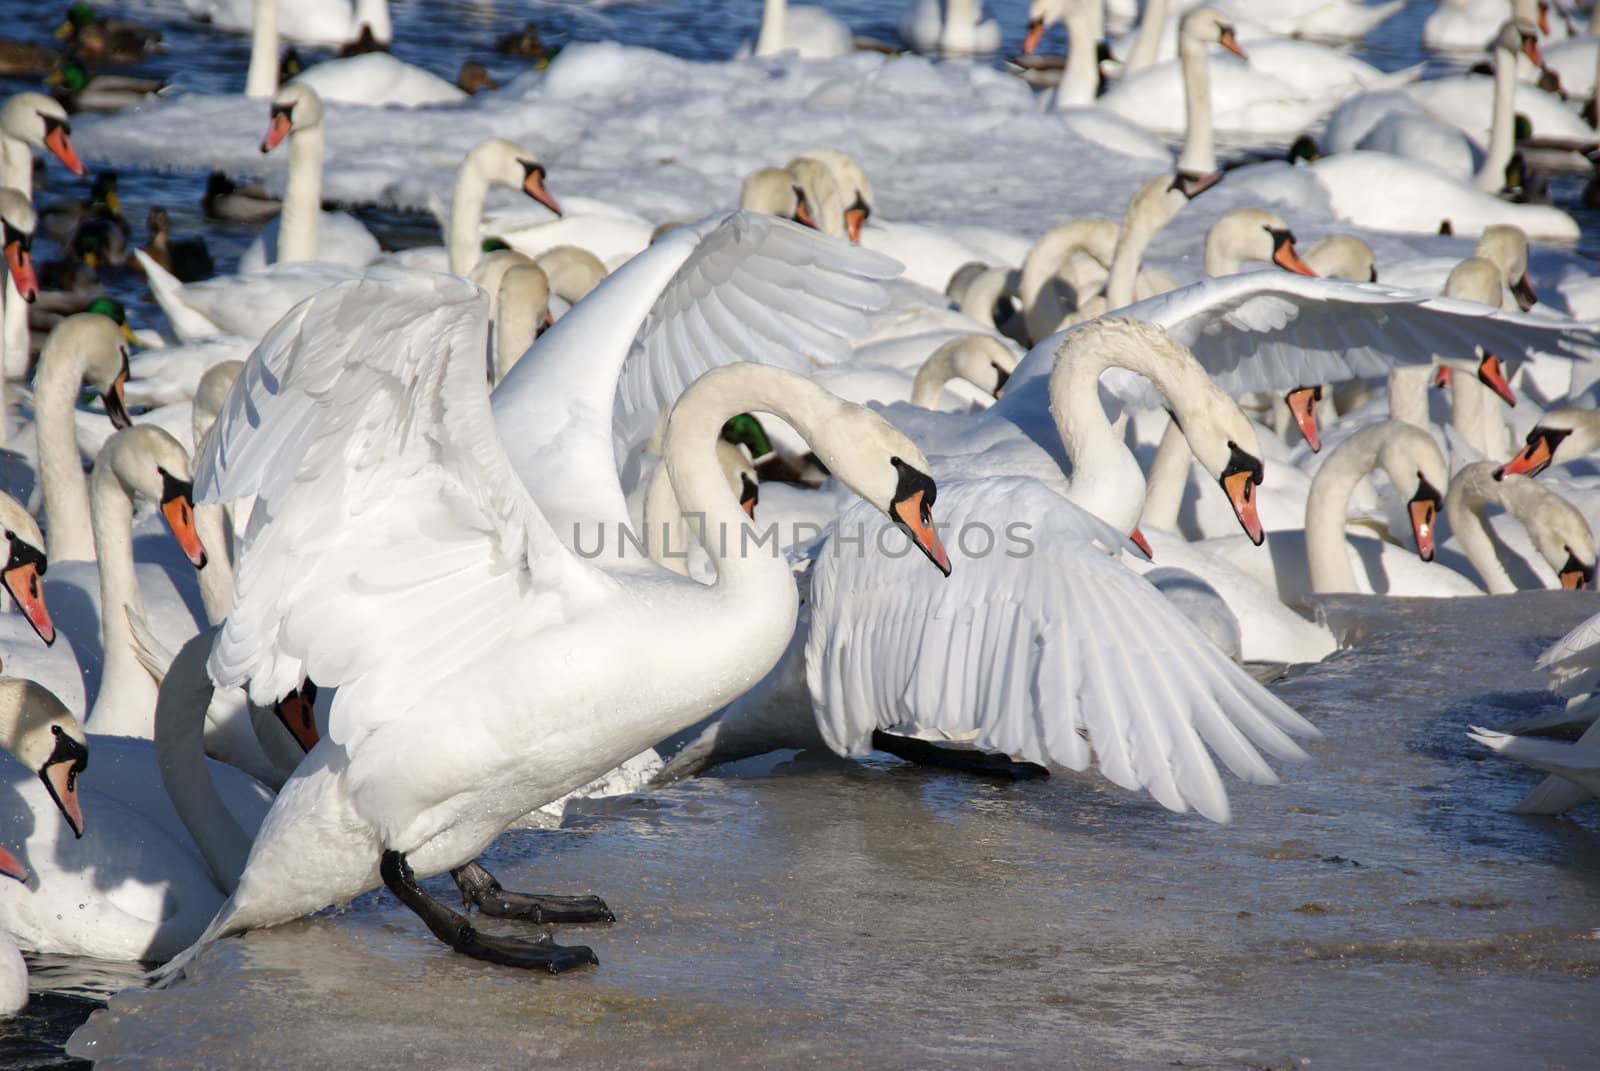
x=1377 y=909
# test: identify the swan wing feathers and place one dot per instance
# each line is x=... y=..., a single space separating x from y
x=1571 y=660
x=755 y=288
x=1042 y=643
x=388 y=523
x=1272 y=330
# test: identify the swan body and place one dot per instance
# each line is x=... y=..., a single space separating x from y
x=378 y=79
x=809 y=31
x=245 y=305
x=953 y=26
x=1337 y=19
x=311 y=22
x=302 y=229
x=1244 y=102
x=378 y=781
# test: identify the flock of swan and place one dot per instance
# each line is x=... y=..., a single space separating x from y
x=346 y=587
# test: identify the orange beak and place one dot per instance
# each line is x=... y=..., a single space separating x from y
x=178 y=509
x=1285 y=256
x=1303 y=404
x=297 y=711
x=1228 y=41
x=802 y=213
x=1443 y=376
x=1530 y=46
x=20 y=262
x=1423 y=510
x=533 y=186
x=1240 y=487
x=1575 y=575
x=1030 y=40
x=278 y=128
x=1492 y=374
x=59 y=142
x=22 y=583
x=61 y=778
x=12 y=867
x=1533 y=459
x=854 y=220
x=1522 y=290
x=1137 y=538
x=916 y=519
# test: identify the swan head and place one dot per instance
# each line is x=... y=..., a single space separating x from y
x=852 y=184
x=506 y=163
x=1343 y=256
x=101 y=344
x=152 y=465
x=17 y=221
x=1559 y=532
x=295 y=107
x=1252 y=234
x=1560 y=436
x=1520 y=35
x=981 y=360
x=1411 y=460
x=45 y=737
x=42 y=122
x=818 y=197
x=774 y=192
x=572 y=271
x=1505 y=246
x=25 y=563
x=1208 y=26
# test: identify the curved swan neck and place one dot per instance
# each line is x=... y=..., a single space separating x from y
x=1464 y=505
x=1106 y=480
x=701 y=487
x=1150 y=209
x=1199 y=154
x=1147 y=46
x=127 y=693
x=1408 y=394
x=261 y=80
x=302 y=197
x=216 y=579
x=524 y=302
x=180 y=754
x=1405 y=453
x=769 y=41
x=69 y=534
x=1491 y=177
x=940 y=368
x=1167 y=480
x=1080 y=82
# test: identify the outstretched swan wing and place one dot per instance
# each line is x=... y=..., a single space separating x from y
x=741 y=287
x=1272 y=330
x=388 y=527
x=1040 y=642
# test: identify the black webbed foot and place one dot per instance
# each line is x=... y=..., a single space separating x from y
x=960 y=759
x=482 y=890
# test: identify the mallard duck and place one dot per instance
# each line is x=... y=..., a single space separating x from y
x=474 y=77
x=25 y=57
x=524 y=43
x=79 y=91
x=187 y=258
x=250 y=203
x=105 y=40
x=100 y=242
x=60 y=219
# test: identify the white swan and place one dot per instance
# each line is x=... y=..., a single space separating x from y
x=1470 y=25
x=951 y=26
x=1019 y=669
x=312 y=22
x=1560 y=436
x=29 y=122
x=365 y=796
x=303 y=231
x=17 y=221
x=369 y=78
x=168 y=837
x=809 y=31
x=85 y=349
x=979 y=363
x=1339 y=19
x=1558 y=532
x=245 y=305
x=1574 y=768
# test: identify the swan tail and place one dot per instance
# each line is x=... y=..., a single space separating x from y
x=695 y=756
x=175 y=968
x=188 y=323
x=1577 y=713
x=152 y=653
x=1395 y=79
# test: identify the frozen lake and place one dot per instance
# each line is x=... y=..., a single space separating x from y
x=1378 y=909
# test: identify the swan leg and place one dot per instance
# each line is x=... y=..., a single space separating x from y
x=482 y=890
x=963 y=760
x=540 y=953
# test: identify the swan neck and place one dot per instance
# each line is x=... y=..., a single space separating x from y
x=936 y=371
x=16 y=156
x=302 y=197
x=69 y=533
x=1080 y=82
x=769 y=41
x=666 y=534
x=216 y=579
x=1144 y=219
x=515 y=328
x=1477 y=413
x=126 y=701
x=1106 y=479
x=1327 y=505
x=1491 y=176
x=261 y=80
x=1408 y=394
x=466 y=215
x=180 y=755
x=1199 y=154
x=1464 y=505
x=1152 y=24
x=1167 y=480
